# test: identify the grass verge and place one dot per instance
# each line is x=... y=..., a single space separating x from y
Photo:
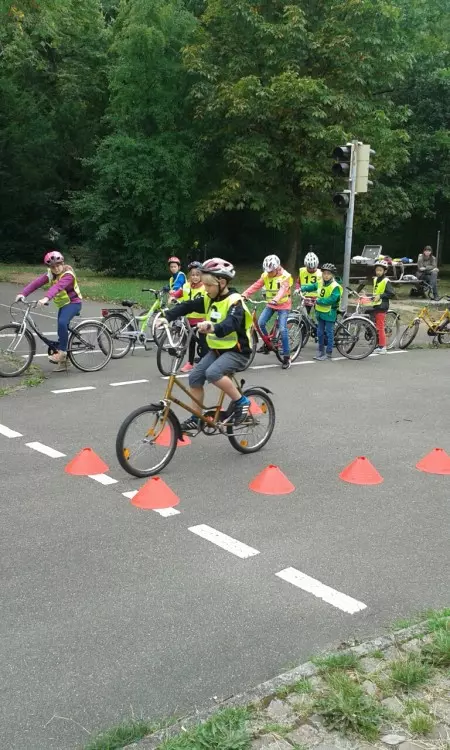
x=346 y=708
x=121 y=735
x=334 y=662
x=32 y=378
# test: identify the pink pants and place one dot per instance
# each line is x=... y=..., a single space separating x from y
x=380 y=319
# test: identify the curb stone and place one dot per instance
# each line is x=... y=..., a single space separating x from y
x=265 y=692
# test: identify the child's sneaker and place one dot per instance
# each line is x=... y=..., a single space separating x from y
x=320 y=357
x=238 y=410
x=330 y=356
x=190 y=425
x=187 y=367
x=380 y=350
x=286 y=363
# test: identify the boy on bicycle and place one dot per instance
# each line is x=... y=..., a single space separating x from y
x=191 y=290
x=177 y=278
x=227 y=326
x=327 y=303
x=277 y=283
x=310 y=273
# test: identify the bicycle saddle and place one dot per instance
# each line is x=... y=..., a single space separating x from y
x=128 y=303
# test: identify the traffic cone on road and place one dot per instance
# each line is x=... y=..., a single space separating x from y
x=271 y=481
x=361 y=471
x=155 y=495
x=86 y=463
x=435 y=462
x=164 y=439
x=254 y=407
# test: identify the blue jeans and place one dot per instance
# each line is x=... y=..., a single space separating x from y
x=325 y=327
x=282 y=324
x=65 y=315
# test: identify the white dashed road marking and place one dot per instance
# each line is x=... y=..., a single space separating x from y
x=129 y=382
x=223 y=540
x=327 y=594
x=102 y=478
x=45 y=449
x=9 y=433
x=164 y=512
x=74 y=390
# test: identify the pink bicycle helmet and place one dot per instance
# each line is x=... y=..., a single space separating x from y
x=219 y=267
x=174 y=259
x=53 y=257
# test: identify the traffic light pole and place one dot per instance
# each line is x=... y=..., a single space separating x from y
x=349 y=225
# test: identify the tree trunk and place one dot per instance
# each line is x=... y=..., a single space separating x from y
x=292 y=263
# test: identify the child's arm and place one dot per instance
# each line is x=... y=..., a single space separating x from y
x=309 y=287
x=35 y=284
x=179 y=282
x=283 y=290
x=177 y=294
x=389 y=292
x=334 y=298
x=63 y=283
x=253 y=288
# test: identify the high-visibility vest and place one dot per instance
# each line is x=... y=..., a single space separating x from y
x=306 y=278
x=189 y=294
x=324 y=294
x=173 y=279
x=216 y=311
x=379 y=286
x=272 y=285
x=62 y=298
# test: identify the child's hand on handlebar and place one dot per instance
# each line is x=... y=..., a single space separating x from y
x=44 y=301
x=205 y=327
x=19 y=298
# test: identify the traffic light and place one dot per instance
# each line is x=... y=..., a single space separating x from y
x=343 y=156
x=363 y=167
x=342 y=200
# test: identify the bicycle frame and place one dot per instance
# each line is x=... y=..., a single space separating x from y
x=270 y=338
x=431 y=323
x=139 y=322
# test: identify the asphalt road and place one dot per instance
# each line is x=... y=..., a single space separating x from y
x=109 y=610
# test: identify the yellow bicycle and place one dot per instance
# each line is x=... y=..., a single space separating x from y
x=148 y=438
x=439 y=329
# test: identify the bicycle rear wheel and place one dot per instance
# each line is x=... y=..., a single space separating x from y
x=355 y=337
x=144 y=446
x=90 y=346
x=392 y=328
x=255 y=432
x=119 y=327
x=444 y=335
x=16 y=350
x=295 y=333
x=409 y=334
x=254 y=346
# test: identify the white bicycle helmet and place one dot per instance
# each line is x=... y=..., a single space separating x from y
x=271 y=263
x=382 y=263
x=311 y=260
x=219 y=267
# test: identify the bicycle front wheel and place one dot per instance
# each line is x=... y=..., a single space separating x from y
x=254 y=346
x=166 y=361
x=392 y=329
x=144 y=445
x=253 y=434
x=90 y=346
x=444 y=335
x=409 y=334
x=355 y=337
x=295 y=334
x=119 y=327
x=16 y=350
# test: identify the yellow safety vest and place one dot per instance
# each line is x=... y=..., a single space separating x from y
x=324 y=293
x=188 y=294
x=62 y=298
x=272 y=285
x=216 y=311
x=310 y=278
x=379 y=286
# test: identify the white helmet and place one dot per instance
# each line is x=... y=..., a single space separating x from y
x=271 y=263
x=311 y=260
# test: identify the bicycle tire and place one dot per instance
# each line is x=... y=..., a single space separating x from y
x=393 y=327
x=296 y=325
x=306 y=331
x=121 y=449
x=254 y=347
x=104 y=342
x=115 y=335
x=343 y=329
x=406 y=338
x=444 y=336
x=8 y=331
x=237 y=441
x=164 y=367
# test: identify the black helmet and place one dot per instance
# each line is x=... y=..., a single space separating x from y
x=329 y=267
x=194 y=264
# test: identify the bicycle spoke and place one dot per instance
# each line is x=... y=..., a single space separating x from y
x=15 y=351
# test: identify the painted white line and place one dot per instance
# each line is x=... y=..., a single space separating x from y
x=4 y=430
x=102 y=478
x=223 y=540
x=45 y=449
x=303 y=362
x=164 y=512
x=327 y=594
x=74 y=390
x=128 y=382
x=11 y=335
x=166 y=377
x=263 y=367
x=399 y=351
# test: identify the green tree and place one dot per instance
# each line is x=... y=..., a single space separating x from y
x=277 y=85
x=140 y=204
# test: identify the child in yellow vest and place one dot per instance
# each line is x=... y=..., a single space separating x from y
x=310 y=274
x=327 y=303
x=191 y=290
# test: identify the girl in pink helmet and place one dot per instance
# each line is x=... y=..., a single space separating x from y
x=63 y=289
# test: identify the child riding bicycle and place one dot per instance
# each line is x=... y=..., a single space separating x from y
x=277 y=283
x=64 y=290
x=191 y=290
x=227 y=326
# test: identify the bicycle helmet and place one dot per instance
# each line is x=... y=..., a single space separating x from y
x=271 y=263
x=382 y=263
x=311 y=260
x=329 y=267
x=174 y=259
x=219 y=267
x=53 y=257
x=194 y=264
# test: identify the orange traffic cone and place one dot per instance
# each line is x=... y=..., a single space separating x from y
x=85 y=463
x=361 y=471
x=435 y=462
x=254 y=407
x=164 y=439
x=271 y=481
x=154 y=495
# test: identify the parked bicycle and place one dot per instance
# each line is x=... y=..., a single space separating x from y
x=128 y=329
x=89 y=347
x=273 y=341
x=181 y=334
x=438 y=329
x=148 y=438
x=392 y=320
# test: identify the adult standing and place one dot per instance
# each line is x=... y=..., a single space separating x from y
x=427 y=269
